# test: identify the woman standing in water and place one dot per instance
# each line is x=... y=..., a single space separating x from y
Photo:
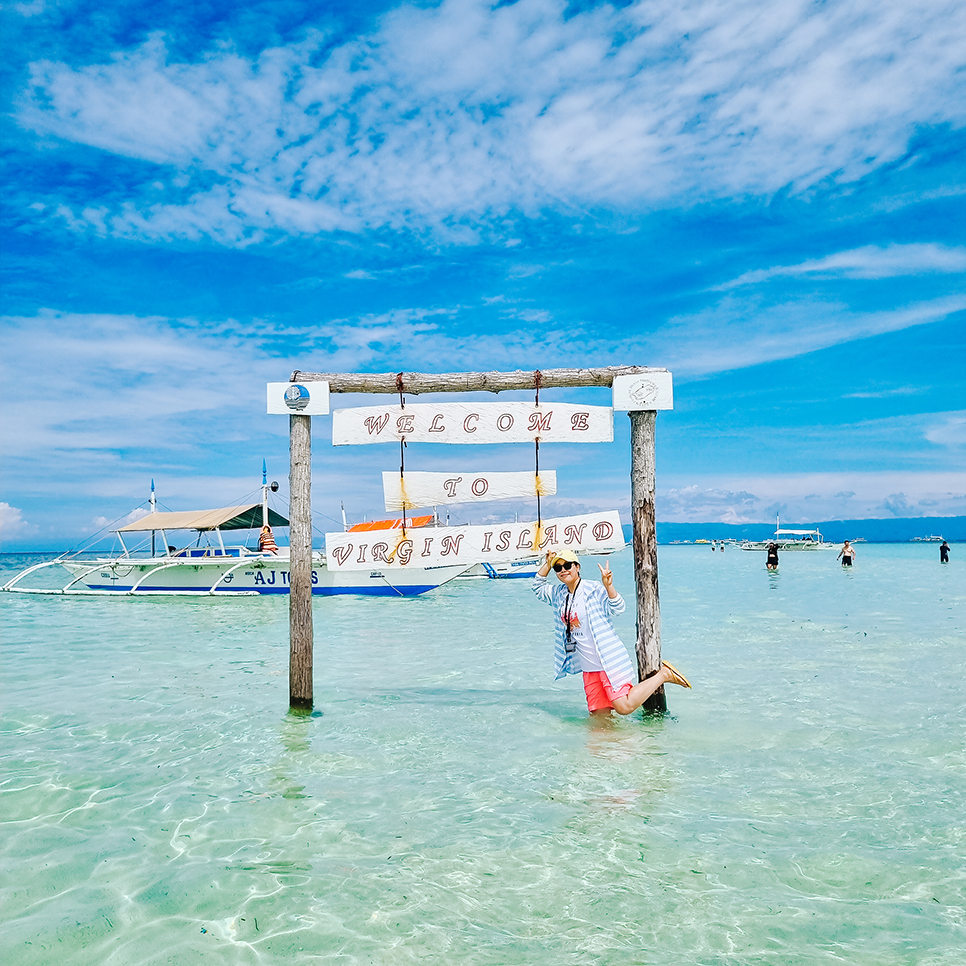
x=585 y=640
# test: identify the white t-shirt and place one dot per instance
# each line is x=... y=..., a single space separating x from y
x=574 y=605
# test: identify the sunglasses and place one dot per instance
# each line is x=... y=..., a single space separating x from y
x=566 y=565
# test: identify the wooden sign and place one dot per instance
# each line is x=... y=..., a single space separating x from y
x=441 y=546
x=509 y=422
x=436 y=489
x=644 y=390
x=306 y=399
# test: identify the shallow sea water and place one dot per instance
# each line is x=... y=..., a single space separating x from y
x=448 y=802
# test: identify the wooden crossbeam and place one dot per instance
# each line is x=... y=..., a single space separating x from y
x=415 y=383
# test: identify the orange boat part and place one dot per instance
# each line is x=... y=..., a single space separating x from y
x=411 y=523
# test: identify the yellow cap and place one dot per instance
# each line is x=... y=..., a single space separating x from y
x=564 y=555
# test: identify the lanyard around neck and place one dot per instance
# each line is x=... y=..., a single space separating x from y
x=568 y=614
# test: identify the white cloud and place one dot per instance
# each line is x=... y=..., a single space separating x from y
x=709 y=503
x=887 y=393
x=951 y=432
x=740 y=332
x=139 y=513
x=809 y=497
x=30 y=9
x=868 y=262
x=462 y=113
x=12 y=522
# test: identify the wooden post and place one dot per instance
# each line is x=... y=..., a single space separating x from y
x=300 y=562
x=645 y=552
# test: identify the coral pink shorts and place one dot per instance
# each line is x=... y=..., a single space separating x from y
x=599 y=692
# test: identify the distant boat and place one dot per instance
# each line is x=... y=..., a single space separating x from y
x=217 y=569
x=791 y=540
x=930 y=539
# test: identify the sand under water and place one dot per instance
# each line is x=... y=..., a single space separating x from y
x=448 y=802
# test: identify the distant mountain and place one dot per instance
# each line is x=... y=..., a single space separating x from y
x=898 y=530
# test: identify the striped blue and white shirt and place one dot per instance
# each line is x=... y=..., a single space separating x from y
x=599 y=608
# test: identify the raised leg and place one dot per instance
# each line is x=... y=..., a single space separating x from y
x=641 y=691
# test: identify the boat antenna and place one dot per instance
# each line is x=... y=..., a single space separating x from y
x=264 y=494
x=345 y=525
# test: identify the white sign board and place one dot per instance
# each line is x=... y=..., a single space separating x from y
x=643 y=390
x=440 y=546
x=300 y=398
x=437 y=489
x=509 y=422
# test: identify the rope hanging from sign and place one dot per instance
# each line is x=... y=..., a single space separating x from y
x=402 y=458
x=538 y=537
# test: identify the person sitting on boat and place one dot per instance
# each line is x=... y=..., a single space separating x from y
x=585 y=640
x=772 y=562
x=846 y=553
x=266 y=540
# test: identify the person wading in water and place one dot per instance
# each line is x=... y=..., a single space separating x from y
x=772 y=562
x=847 y=553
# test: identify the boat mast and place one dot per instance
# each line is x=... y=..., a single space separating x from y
x=154 y=505
x=345 y=524
x=264 y=494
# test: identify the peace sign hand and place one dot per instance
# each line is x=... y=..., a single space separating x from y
x=606 y=577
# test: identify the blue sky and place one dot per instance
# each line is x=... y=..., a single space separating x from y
x=767 y=200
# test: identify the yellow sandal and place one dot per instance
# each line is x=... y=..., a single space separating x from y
x=676 y=676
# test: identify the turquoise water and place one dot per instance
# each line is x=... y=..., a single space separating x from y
x=449 y=803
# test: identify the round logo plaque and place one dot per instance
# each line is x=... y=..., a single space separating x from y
x=296 y=397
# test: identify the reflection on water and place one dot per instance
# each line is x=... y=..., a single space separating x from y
x=447 y=802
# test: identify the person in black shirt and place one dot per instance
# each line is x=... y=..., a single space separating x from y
x=944 y=552
x=772 y=562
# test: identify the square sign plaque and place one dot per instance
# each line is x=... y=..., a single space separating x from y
x=644 y=390
x=298 y=398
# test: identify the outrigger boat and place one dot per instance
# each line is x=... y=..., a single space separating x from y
x=217 y=568
x=791 y=540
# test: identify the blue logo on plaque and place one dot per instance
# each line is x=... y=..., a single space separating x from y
x=296 y=397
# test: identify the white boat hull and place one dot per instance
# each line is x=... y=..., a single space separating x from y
x=245 y=576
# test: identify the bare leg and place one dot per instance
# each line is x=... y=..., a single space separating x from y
x=641 y=691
